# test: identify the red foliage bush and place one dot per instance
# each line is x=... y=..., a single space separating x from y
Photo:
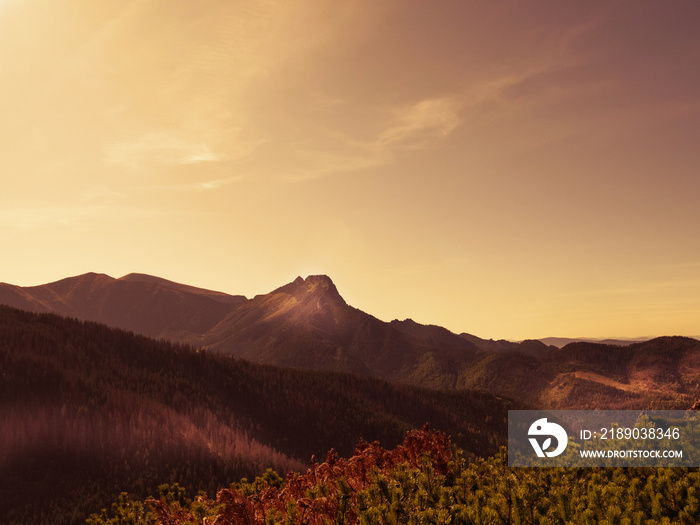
x=326 y=492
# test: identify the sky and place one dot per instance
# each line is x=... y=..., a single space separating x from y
x=510 y=169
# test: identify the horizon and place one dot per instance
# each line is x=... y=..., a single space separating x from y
x=591 y=338
x=505 y=169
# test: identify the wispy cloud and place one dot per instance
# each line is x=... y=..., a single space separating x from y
x=219 y=183
x=160 y=148
x=419 y=124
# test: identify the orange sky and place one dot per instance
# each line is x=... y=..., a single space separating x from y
x=510 y=169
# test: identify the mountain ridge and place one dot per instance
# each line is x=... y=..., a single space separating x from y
x=561 y=342
x=142 y=303
x=307 y=324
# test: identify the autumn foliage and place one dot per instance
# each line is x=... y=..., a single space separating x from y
x=331 y=491
x=422 y=482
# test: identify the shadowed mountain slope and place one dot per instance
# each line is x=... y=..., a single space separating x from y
x=86 y=410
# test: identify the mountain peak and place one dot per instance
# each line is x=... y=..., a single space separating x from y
x=318 y=285
x=319 y=280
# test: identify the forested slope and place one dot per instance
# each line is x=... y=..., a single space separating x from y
x=87 y=411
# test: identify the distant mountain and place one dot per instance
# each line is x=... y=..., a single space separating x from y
x=536 y=348
x=560 y=342
x=307 y=324
x=87 y=411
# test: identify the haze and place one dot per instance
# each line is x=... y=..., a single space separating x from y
x=509 y=169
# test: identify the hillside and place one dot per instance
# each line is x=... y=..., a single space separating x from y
x=660 y=373
x=88 y=411
x=307 y=324
x=140 y=303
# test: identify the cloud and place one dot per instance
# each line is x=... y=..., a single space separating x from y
x=160 y=148
x=422 y=123
x=219 y=183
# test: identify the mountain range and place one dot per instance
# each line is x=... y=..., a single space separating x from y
x=107 y=384
x=307 y=324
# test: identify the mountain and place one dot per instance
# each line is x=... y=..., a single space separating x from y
x=533 y=347
x=141 y=303
x=304 y=324
x=307 y=324
x=660 y=373
x=88 y=410
x=560 y=342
